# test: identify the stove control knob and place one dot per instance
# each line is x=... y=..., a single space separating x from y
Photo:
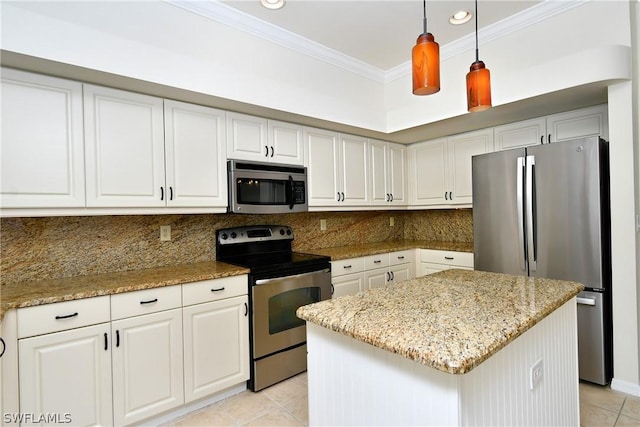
x=233 y=235
x=288 y=232
x=282 y=231
x=224 y=236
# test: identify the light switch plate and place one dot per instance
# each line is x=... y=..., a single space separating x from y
x=165 y=233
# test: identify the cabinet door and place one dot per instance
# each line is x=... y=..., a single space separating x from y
x=42 y=144
x=428 y=268
x=376 y=278
x=216 y=346
x=322 y=159
x=196 y=171
x=147 y=365
x=400 y=273
x=247 y=138
x=354 y=165
x=68 y=374
x=592 y=121
x=124 y=135
x=428 y=163
x=285 y=142
x=397 y=173
x=461 y=148
x=348 y=284
x=378 y=178
x=520 y=134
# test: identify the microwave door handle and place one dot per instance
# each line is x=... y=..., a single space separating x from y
x=290 y=193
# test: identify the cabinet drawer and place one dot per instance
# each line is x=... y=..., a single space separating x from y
x=401 y=257
x=146 y=301
x=44 y=319
x=376 y=261
x=215 y=289
x=347 y=266
x=462 y=259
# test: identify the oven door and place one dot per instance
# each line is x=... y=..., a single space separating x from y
x=275 y=301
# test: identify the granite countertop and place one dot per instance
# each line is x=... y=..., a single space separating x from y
x=451 y=321
x=25 y=294
x=354 y=251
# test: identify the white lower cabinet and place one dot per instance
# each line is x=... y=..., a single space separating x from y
x=353 y=275
x=433 y=261
x=67 y=375
x=147 y=366
x=347 y=276
x=216 y=346
x=122 y=359
x=64 y=359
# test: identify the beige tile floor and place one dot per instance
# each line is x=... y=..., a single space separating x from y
x=285 y=404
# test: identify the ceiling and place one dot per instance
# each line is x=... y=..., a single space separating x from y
x=379 y=33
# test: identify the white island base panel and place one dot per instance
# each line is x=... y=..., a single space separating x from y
x=353 y=383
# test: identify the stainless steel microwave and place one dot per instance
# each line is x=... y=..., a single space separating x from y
x=266 y=188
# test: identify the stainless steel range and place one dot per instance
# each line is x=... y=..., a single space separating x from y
x=280 y=281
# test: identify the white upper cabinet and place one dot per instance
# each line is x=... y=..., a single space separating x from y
x=462 y=148
x=387 y=180
x=196 y=172
x=592 y=121
x=124 y=138
x=585 y=122
x=143 y=151
x=440 y=170
x=354 y=166
x=337 y=168
x=259 y=139
x=520 y=134
x=322 y=162
x=285 y=142
x=428 y=172
x=41 y=151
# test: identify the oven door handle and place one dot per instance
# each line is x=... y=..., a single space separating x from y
x=296 y=276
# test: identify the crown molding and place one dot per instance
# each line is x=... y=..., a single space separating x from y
x=227 y=15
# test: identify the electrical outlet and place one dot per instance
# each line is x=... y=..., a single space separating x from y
x=392 y=221
x=535 y=374
x=323 y=225
x=165 y=233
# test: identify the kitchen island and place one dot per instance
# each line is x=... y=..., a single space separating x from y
x=452 y=348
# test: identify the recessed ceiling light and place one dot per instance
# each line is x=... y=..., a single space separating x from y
x=272 y=4
x=460 y=17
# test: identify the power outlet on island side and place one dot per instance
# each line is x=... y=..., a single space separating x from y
x=535 y=374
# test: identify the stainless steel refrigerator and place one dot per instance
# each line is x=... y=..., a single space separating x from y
x=543 y=211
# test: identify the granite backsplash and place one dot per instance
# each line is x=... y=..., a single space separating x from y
x=55 y=247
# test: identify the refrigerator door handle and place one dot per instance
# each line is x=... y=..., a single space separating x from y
x=529 y=203
x=520 y=206
x=586 y=301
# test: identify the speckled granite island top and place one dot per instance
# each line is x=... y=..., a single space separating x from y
x=25 y=294
x=355 y=251
x=451 y=321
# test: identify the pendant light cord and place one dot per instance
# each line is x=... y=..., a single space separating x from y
x=477 y=57
x=424 y=16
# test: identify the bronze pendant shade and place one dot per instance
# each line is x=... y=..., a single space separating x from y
x=425 y=60
x=478 y=81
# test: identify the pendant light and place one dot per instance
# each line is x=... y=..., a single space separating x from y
x=425 y=61
x=478 y=81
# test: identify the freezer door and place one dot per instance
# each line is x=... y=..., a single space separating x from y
x=498 y=239
x=566 y=205
x=591 y=338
